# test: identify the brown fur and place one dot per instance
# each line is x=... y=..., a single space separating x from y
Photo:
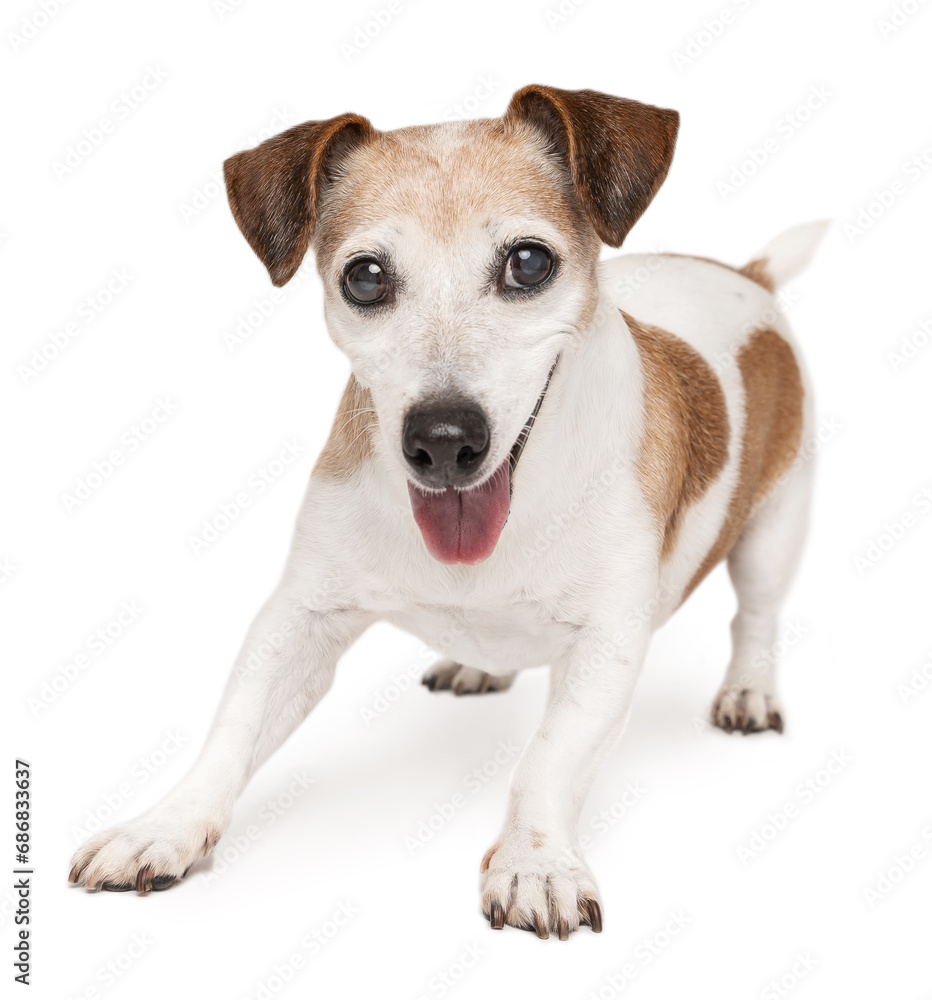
x=772 y=433
x=592 y=161
x=617 y=151
x=685 y=443
x=447 y=178
x=350 y=440
x=757 y=271
x=274 y=189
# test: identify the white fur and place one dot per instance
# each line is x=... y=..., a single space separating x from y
x=789 y=253
x=577 y=562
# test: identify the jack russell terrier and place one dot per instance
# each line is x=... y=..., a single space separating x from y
x=537 y=459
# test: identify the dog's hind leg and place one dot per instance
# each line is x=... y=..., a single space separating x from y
x=762 y=565
x=447 y=675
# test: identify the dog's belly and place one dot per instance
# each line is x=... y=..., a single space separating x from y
x=497 y=641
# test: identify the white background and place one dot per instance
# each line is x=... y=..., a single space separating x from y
x=145 y=201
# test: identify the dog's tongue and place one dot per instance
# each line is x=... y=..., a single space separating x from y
x=463 y=527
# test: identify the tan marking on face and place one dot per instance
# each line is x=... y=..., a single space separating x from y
x=350 y=440
x=772 y=433
x=446 y=177
x=685 y=444
x=756 y=270
x=440 y=202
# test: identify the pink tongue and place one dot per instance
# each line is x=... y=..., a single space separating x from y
x=463 y=527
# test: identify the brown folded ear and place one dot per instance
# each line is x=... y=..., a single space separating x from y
x=274 y=189
x=617 y=151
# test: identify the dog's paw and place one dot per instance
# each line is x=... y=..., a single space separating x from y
x=539 y=886
x=148 y=853
x=445 y=675
x=746 y=710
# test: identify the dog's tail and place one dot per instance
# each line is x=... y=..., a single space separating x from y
x=786 y=255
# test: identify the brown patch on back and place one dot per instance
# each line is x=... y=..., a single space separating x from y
x=772 y=433
x=350 y=441
x=685 y=443
x=757 y=271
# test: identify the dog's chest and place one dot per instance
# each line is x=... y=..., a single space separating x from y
x=497 y=640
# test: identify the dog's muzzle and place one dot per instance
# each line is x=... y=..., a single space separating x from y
x=445 y=446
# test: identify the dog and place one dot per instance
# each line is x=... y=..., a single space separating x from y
x=538 y=457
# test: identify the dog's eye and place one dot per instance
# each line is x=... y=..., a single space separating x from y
x=365 y=282
x=527 y=266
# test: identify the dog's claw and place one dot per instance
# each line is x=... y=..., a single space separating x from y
x=563 y=930
x=144 y=879
x=496 y=916
x=741 y=711
x=446 y=675
x=747 y=711
x=541 y=927
x=76 y=875
x=595 y=916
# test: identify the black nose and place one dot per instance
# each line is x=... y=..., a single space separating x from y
x=445 y=444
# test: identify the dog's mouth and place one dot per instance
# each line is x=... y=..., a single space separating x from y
x=463 y=526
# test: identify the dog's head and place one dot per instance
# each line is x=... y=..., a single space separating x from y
x=458 y=261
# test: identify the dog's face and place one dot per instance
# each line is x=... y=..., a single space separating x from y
x=458 y=261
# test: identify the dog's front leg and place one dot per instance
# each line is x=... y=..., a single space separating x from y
x=536 y=877
x=285 y=667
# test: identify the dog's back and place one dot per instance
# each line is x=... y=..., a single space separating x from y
x=727 y=399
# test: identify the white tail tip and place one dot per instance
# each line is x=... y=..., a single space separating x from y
x=789 y=254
